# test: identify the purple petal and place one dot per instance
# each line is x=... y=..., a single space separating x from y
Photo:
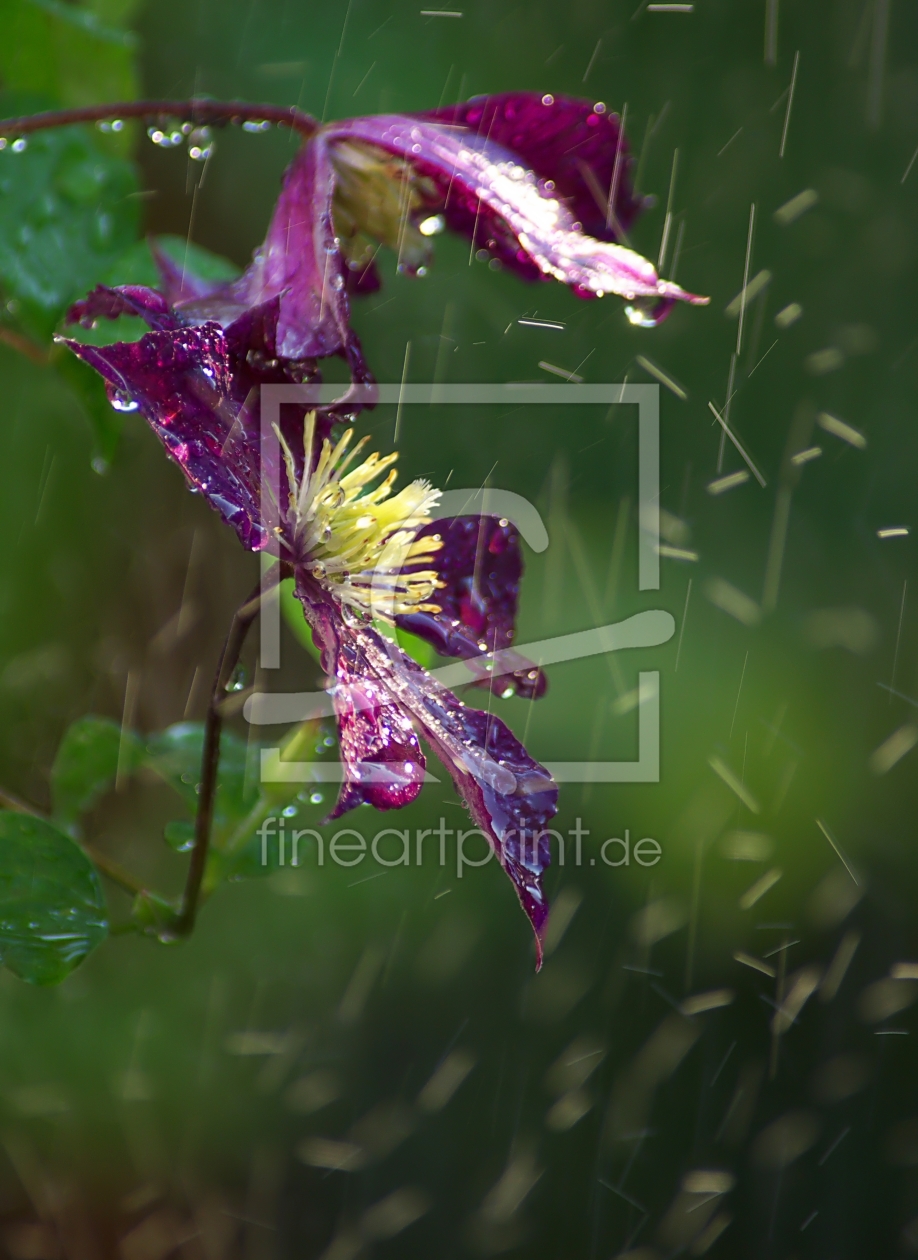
x=299 y=264
x=481 y=565
x=379 y=748
x=178 y=283
x=184 y=384
x=129 y=299
x=509 y=795
x=490 y=196
x=578 y=146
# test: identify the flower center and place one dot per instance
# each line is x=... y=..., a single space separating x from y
x=357 y=539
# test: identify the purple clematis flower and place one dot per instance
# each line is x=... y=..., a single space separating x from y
x=361 y=555
x=540 y=183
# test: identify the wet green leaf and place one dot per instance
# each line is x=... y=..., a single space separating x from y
x=175 y=755
x=66 y=216
x=52 y=911
x=87 y=763
x=179 y=835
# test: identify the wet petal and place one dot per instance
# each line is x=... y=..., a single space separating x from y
x=301 y=266
x=183 y=383
x=509 y=795
x=493 y=197
x=480 y=565
x=577 y=145
x=379 y=748
x=129 y=299
x=179 y=283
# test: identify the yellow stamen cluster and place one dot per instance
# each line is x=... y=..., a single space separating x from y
x=356 y=541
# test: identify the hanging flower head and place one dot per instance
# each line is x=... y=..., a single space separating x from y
x=540 y=184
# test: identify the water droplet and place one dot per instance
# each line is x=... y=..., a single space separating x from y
x=290 y=811
x=316 y=798
x=254 y=126
x=117 y=124
x=432 y=225
x=156 y=135
x=3 y=143
x=237 y=679
x=123 y=402
x=647 y=312
x=599 y=107
x=20 y=145
x=548 y=99
x=99 y=466
x=507 y=693
x=329 y=741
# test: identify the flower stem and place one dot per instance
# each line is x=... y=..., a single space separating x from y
x=198 y=111
x=210 y=756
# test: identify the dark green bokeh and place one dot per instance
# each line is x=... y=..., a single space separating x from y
x=131 y=1074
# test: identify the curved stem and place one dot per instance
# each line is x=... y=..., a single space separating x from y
x=198 y=111
x=210 y=756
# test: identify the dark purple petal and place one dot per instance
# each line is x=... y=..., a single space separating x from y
x=128 y=299
x=301 y=266
x=178 y=283
x=362 y=280
x=509 y=795
x=379 y=748
x=577 y=145
x=183 y=383
x=481 y=565
x=489 y=195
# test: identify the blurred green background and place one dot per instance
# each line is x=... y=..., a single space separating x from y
x=174 y=1100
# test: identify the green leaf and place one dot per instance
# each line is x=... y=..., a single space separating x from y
x=179 y=835
x=87 y=764
x=74 y=54
x=136 y=264
x=105 y=422
x=154 y=914
x=52 y=911
x=66 y=216
x=175 y=755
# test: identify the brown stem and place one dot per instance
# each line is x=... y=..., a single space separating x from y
x=210 y=756
x=17 y=341
x=11 y=802
x=117 y=874
x=198 y=111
